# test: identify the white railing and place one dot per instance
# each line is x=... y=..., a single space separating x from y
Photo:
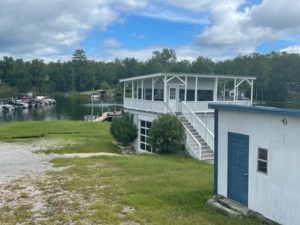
x=200 y=127
x=202 y=106
x=160 y=106
x=193 y=145
x=145 y=105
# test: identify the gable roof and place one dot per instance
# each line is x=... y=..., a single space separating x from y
x=155 y=75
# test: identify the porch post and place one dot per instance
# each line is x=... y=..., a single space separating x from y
x=124 y=90
x=216 y=89
x=234 y=96
x=196 y=89
x=132 y=91
x=165 y=89
x=142 y=89
x=185 y=88
x=152 y=93
x=251 y=97
x=137 y=89
x=224 y=90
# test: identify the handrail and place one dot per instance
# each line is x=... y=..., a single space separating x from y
x=188 y=131
x=206 y=133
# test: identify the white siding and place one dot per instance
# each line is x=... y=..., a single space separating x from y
x=276 y=195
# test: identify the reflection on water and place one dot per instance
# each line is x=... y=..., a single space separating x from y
x=71 y=108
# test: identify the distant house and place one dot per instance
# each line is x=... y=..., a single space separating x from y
x=257 y=159
x=186 y=96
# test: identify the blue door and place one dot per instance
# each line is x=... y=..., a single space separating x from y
x=238 y=158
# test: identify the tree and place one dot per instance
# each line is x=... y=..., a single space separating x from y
x=167 y=134
x=79 y=60
x=123 y=129
x=166 y=55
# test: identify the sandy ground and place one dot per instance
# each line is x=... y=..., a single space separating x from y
x=86 y=155
x=17 y=160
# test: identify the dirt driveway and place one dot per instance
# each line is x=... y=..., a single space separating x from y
x=17 y=160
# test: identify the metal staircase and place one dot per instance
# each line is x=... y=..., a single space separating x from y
x=196 y=145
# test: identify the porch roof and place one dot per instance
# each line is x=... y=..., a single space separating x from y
x=155 y=75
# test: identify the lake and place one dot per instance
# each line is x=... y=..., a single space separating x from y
x=67 y=108
x=76 y=107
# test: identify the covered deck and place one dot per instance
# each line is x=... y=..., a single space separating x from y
x=165 y=92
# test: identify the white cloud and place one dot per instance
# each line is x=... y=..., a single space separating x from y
x=49 y=27
x=194 y=5
x=292 y=49
x=240 y=31
x=121 y=53
x=112 y=43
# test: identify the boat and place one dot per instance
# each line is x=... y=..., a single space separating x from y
x=8 y=108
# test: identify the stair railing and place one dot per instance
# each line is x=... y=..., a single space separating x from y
x=200 y=127
x=190 y=137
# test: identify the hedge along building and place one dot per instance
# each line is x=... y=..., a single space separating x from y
x=186 y=96
x=257 y=159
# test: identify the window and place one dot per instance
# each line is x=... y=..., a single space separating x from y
x=205 y=95
x=144 y=139
x=262 y=160
x=172 y=93
x=190 y=95
x=158 y=94
x=148 y=94
x=181 y=94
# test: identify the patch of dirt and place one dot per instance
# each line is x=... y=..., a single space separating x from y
x=17 y=160
x=87 y=155
x=128 y=210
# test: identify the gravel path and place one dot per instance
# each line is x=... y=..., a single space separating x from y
x=18 y=160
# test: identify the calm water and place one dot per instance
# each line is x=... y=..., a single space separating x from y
x=75 y=108
x=71 y=108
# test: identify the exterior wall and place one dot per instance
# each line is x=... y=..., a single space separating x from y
x=275 y=195
x=138 y=116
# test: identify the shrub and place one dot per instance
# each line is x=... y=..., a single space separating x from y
x=167 y=134
x=123 y=129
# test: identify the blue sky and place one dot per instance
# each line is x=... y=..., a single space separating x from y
x=109 y=29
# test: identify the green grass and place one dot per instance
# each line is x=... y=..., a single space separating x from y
x=88 y=137
x=145 y=189
x=160 y=189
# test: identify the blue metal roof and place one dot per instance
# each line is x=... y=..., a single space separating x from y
x=256 y=109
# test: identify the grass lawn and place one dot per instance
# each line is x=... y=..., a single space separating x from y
x=127 y=190
x=78 y=136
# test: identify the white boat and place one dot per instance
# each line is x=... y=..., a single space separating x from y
x=22 y=104
x=8 y=108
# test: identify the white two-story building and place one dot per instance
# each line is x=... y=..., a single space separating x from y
x=186 y=96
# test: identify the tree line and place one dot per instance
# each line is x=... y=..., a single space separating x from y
x=278 y=74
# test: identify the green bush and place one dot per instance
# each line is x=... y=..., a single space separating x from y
x=123 y=129
x=167 y=134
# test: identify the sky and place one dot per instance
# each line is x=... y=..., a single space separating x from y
x=107 y=29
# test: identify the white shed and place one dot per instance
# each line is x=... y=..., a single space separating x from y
x=257 y=159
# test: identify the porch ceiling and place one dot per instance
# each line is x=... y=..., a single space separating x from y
x=155 y=75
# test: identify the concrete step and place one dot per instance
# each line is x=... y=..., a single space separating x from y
x=234 y=206
x=230 y=212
